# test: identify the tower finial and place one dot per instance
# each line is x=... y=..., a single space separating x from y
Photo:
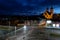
x=51 y=7
x=47 y=8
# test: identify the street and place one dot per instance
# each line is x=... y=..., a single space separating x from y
x=29 y=33
x=21 y=33
x=34 y=33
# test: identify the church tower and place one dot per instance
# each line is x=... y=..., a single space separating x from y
x=49 y=14
x=51 y=10
x=47 y=10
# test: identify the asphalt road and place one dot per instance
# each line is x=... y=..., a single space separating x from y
x=29 y=33
x=33 y=33
x=21 y=33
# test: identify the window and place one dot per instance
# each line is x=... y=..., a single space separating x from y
x=49 y=21
x=53 y=25
x=57 y=25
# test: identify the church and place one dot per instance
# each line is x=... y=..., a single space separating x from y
x=48 y=14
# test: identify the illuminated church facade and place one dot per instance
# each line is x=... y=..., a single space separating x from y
x=48 y=14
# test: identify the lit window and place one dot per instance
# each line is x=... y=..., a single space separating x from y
x=57 y=25
x=53 y=25
x=24 y=27
x=48 y=21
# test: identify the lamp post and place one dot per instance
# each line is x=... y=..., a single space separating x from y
x=15 y=31
x=9 y=24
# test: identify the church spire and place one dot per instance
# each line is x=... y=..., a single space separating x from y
x=47 y=9
x=51 y=10
x=51 y=7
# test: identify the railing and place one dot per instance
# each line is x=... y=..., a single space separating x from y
x=10 y=32
x=13 y=33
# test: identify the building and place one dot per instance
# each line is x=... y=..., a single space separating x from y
x=48 y=14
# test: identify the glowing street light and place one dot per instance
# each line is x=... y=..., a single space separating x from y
x=24 y=27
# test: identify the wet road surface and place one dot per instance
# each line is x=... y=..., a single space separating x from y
x=33 y=33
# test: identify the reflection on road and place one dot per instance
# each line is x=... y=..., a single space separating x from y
x=34 y=33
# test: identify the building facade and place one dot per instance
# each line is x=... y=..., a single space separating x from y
x=48 y=14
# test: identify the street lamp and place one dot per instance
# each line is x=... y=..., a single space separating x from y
x=15 y=30
x=9 y=24
x=24 y=27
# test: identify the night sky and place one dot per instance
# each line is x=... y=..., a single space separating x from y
x=27 y=7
